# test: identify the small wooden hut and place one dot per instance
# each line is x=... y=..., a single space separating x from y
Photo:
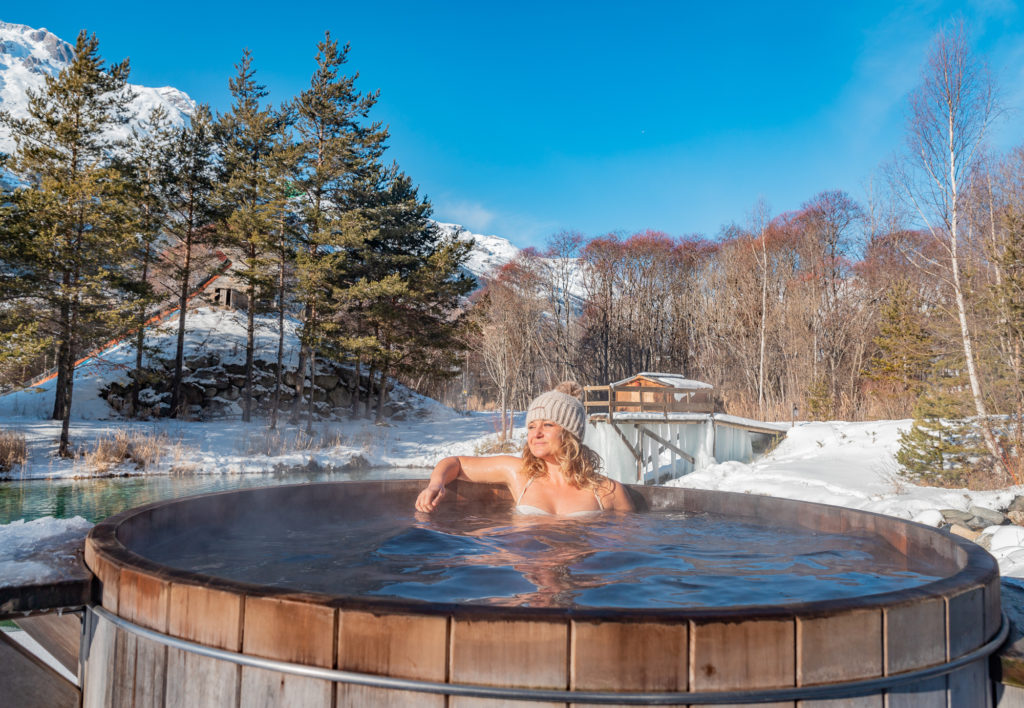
x=651 y=392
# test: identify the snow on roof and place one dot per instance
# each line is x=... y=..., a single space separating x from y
x=671 y=380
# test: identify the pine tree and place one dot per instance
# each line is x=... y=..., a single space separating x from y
x=70 y=217
x=188 y=188
x=404 y=285
x=904 y=348
x=248 y=135
x=336 y=148
x=941 y=445
x=147 y=154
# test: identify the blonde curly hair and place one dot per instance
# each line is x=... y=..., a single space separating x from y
x=580 y=464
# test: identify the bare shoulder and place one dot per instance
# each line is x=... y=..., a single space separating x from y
x=614 y=496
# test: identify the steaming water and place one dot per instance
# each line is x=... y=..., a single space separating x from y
x=650 y=560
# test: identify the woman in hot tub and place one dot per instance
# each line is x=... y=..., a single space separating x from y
x=557 y=474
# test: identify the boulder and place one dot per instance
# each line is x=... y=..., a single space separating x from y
x=232 y=393
x=956 y=516
x=236 y=369
x=1016 y=517
x=199 y=362
x=210 y=392
x=1017 y=504
x=338 y=397
x=989 y=516
x=327 y=381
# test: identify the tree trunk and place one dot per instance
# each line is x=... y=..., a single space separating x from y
x=280 y=346
x=381 y=395
x=312 y=390
x=179 y=352
x=250 y=348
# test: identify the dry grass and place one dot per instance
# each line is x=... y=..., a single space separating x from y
x=13 y=449
x=277 y=442
x=144 y=449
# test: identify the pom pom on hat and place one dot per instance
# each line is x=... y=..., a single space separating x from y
x=561 y=405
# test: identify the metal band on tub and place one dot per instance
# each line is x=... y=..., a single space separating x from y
x=822 y=691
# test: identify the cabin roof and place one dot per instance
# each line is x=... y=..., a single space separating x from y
x=670 y=380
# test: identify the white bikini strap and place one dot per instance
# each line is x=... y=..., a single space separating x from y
x=525 y=487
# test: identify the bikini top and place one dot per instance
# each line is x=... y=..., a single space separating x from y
x=531 y=510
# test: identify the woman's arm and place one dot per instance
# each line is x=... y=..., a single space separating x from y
x=499 y=469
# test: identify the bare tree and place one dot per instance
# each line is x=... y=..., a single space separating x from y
x=950 y=115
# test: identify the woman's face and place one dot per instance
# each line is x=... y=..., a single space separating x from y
x=544 y=438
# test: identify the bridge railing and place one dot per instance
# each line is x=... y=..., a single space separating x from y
x=637 y=398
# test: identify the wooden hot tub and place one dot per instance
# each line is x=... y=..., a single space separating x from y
x=161 y=636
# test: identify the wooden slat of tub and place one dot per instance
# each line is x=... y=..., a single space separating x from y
x=927 y=694
x=107 y=575
x=195 y=681
x=854 y=702
x=739 y=655
x=993 y=607
x=142 y=598
x=840 y=647
x=289 y=630
x=525 y=654
x=966 y=621
x=915 y=635
x=261 y=688
x=350 y=696
x=140 y=668
x=461 y=702
x=629 y=656
x=967 y=684
x=98 y=671
x=204 y=615
x=403 y=646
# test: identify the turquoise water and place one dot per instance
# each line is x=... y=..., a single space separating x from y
x=97 y=498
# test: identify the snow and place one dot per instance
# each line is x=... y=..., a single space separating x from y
x=28 y=56
x=36 y=551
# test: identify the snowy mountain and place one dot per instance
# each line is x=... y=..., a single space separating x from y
x=29 y=55
x=489 y=253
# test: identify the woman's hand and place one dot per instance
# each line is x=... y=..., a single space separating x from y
x=429 y=498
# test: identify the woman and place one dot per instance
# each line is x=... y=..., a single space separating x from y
x=556 y=475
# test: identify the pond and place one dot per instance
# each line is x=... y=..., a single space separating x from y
x=96 y=498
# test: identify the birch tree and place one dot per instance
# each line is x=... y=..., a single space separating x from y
x=950 y=114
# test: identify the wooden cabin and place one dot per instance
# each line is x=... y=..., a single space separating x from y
x=651 y=392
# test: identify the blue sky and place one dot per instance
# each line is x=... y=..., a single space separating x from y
x=528 y=118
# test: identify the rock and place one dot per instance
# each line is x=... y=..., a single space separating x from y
x=327 y=381
x=235 y=369
x=1017 y=504
x=338 y=397
x=210 y=392
x=199 y=362
x=989 y=516
x=319 y=395
x=290 y=377
x=232 y=393
x=237 y=381
x=964 y=532
x=1016 y=517
x=956 y=516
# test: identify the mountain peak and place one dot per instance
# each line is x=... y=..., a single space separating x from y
x=28 y=55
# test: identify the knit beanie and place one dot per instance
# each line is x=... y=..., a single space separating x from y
x=560 y=405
